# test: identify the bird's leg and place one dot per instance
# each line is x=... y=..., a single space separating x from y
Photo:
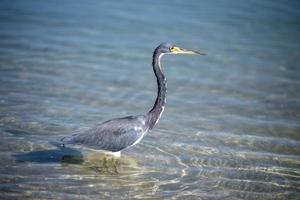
x=115 y=165
x=114 y=154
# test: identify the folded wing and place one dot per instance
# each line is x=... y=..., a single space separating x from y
x=113 y=135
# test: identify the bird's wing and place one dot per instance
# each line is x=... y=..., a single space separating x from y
x=113 y=135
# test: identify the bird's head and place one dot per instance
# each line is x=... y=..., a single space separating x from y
x=167 y=48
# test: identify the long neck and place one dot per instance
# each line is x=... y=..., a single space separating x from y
x=155 y=113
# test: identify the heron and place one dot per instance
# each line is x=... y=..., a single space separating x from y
x=115 y=135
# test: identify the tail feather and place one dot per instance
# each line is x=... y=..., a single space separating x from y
x=68 y=139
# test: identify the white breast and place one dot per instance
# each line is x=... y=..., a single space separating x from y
x=138 y=140
x=163 y=108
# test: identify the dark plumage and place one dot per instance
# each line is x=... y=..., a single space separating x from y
x=117 y=134
x=112 y=135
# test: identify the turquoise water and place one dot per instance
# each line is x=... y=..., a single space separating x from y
x=231 y=126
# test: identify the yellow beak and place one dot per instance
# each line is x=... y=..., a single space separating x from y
x=177 y=50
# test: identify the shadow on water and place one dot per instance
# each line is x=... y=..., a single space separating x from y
x=64 y=155
x=89 y=160
x=97 y=162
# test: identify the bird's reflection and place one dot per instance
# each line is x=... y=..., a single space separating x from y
x=67 y=155
x=96 y=162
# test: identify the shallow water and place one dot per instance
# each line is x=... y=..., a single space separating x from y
x=231 y=126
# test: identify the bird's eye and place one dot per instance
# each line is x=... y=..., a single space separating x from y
x=172 y=49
